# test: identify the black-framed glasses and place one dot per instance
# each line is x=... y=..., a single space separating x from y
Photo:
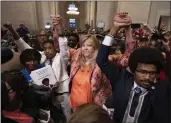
x=144 y=72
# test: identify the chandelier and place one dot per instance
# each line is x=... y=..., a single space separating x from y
x=72 y=10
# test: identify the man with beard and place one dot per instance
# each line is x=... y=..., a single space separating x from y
x=136 y=97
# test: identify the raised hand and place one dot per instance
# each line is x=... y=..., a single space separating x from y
x=120 y=20
x=8 y=25
x=56 y=19
x=58 y=23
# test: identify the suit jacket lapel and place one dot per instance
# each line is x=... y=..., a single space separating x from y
x=125 y=96
x=128 y=88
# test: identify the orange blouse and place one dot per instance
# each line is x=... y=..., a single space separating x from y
x=81 y=88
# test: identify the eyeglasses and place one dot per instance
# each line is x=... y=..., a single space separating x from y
x=144 y=72
x=10 y=90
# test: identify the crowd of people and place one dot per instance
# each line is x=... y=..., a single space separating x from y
x=116 y=76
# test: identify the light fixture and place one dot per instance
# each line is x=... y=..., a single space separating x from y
x=47 y=26
x=72 y=10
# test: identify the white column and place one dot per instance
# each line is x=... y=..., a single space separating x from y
x=45 y=13
x=52 y=7
x=92 y=13
x=87 y=20
x=56 y=3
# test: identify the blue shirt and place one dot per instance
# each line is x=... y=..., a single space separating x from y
x=27 y=74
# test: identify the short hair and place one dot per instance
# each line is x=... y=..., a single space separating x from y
x=28 y=55
x=49 y=41
x=148 y=56
x=74 y=35
x=46 y=79
x=90 y=113
x=6 y=55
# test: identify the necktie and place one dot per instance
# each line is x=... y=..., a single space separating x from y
x=135 y=101
x=50 y=61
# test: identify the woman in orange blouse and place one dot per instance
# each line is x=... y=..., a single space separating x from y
x=88 y=83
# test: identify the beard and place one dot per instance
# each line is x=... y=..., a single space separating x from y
x=148 y=83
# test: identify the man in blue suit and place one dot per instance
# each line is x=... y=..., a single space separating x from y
x=137 y=97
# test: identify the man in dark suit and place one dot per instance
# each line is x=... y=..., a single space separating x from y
x=137 y=97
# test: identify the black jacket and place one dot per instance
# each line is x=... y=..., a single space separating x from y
x=156 y=105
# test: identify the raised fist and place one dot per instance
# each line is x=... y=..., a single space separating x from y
x=119 y=21
x=56 y=19
x=8 y=25
x=58 y=23
x=122 y=20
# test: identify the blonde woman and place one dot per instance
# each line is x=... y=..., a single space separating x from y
x=87 y=82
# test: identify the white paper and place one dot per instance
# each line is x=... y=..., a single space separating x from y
x=40 y=74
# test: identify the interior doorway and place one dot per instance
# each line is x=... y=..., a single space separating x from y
x=72 y=23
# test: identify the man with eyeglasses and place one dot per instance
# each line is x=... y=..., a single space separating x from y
x=137 y=97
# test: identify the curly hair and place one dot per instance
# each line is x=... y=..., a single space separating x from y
x=74 y=35
x=28 y=55
x=148 y=56
x=6 y=55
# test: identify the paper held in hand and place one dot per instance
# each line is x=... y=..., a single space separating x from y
x=45 y=73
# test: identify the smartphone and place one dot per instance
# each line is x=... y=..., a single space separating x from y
x=135 y=25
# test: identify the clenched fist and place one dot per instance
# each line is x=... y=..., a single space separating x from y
x=8 y=25
x=122 y=19
x=119 y=21
x=58 y=23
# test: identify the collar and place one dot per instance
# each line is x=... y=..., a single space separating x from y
x=143 y=89
x=52 y=58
